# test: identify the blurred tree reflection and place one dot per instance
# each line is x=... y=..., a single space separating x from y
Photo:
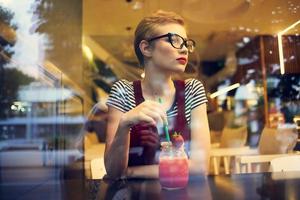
x=62 y=23
x=11 y=80
x=6 y=16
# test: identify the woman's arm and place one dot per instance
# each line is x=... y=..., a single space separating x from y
x=146 y=171
x=117 y=144
x=200 y=142
x=118 y=137
x=200 y=147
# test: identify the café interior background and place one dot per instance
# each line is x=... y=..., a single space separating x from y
x=59 y=59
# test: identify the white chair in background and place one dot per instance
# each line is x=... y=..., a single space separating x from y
x=273 y=144
x=233 y=137
x=93 y=149
x=97 y=168
x=228 y=154
x=232 y=144
x=286 y=163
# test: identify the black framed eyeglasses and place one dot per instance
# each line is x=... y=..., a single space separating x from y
x=177 y=41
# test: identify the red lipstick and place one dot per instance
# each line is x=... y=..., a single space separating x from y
x=182 y=60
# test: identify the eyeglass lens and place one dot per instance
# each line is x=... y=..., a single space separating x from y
x=178 y=42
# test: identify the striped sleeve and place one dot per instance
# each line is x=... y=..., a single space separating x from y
x=198 y=94
x=117 y=96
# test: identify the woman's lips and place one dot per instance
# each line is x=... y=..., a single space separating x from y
x=182 y=60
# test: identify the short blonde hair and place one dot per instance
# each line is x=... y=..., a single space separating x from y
x=146 y=28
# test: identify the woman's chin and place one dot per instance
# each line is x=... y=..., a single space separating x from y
x=179 y=69
x=175 y=69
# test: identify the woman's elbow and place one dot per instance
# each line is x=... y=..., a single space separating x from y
x=113 y=170
x=113 y=174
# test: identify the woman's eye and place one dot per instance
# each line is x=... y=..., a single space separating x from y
x=176 y=39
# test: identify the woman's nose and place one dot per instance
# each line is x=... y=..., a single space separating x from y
x=184 y=50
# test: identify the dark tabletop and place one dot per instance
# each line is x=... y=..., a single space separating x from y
x=242 y=186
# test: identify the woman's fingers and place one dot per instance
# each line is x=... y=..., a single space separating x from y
x=157 y=107
x=149 y=133
x=145 y=118
x=148 y=111
x=146 y=126
x=154 y=110
x=149 y=139
x=155 y=115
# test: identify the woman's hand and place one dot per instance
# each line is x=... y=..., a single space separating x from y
x=148 y=111
x=148 y=136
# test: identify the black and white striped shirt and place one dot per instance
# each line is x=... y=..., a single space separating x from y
x=121 y=97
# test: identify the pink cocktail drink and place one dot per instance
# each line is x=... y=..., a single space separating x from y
x=173 y=172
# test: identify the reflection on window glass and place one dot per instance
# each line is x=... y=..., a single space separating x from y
x=60 y=58
x=42 y=93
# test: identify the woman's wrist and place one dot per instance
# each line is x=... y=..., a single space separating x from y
x=125 y=121
x=124 y=126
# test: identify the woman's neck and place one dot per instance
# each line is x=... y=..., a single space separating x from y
x=157 y=85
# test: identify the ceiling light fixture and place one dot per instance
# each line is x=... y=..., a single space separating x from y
x=246 y=39
x=240 y=44
x=137 y=5
x=87 y=52
x=280 y=48
x=224 y=90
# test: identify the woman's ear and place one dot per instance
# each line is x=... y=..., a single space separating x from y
x=145 y=48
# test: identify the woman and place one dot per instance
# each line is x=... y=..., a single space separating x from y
x=136 y=117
